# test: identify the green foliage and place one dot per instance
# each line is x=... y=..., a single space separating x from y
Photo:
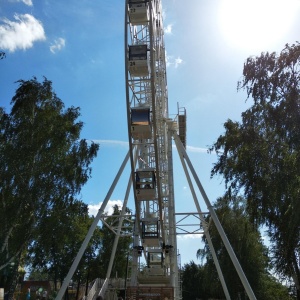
x=43 y=165
x=120 y=262
x=246 y=243
x=200 y=282
x=193 y=285
x=58 y=241
x=271 y=289
x=260 y=156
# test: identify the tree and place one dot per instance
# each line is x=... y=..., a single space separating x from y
x=259 y=157
x=44 y=164
x=120 y=262
x=60 y=236
x=246 y=243
x=193 y=282
x=2 y=55
x=272 y=289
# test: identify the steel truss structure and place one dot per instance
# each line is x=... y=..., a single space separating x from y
x=154 y=265
x=151 y=150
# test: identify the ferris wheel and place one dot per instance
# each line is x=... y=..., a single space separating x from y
x=150 y=132
x=150 y=146
x=155 y=264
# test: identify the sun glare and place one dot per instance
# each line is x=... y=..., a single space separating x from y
x=256 y=24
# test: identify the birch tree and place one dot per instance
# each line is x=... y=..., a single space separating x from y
x=43 y=163
x=259 y=157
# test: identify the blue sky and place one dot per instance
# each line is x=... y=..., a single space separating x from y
x=79 y=46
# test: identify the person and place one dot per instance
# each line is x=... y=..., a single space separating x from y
x=44 y=296
x=39 y=292
x=28 y=294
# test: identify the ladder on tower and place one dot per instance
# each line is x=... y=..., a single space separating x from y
x=182 y=125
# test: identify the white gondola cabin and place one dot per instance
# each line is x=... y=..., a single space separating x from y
x=138 y=12
x=150 y=232
x=154 y=259
x=141 y=123
x=138 y=61
x=145 y=184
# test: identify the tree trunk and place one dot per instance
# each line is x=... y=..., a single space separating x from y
x=87 y=282
x=13 y=284
x=296 y=276
x=77 y=291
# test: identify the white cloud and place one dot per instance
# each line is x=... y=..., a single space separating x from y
x=125 y=144
x=21 y=33
x=196 y=149
x=93 y=208
x=190 y=236
x=171 y=61
x=57 y=45
x=178 y=61
x=27 y=2
x=168 y=29
x=167 y=60
x=111 y=143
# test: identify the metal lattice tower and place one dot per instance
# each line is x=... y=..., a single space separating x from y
x=150 y=149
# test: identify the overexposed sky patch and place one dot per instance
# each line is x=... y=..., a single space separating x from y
x=261 y=27
x=58 y=45
x=21 y=33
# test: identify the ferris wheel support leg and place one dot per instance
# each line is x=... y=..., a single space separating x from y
x=91 y=231
x=175 y=278
x=205 y=227
x=116 y=240
x=216 y=220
